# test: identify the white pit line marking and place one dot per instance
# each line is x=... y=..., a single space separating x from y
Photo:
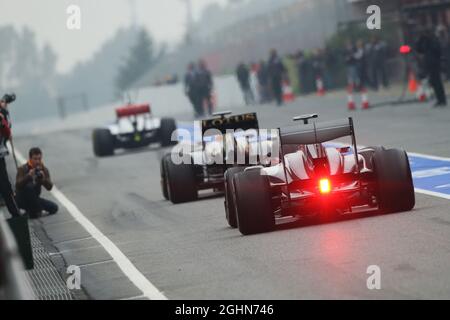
x=431 y=193
x=136 y=277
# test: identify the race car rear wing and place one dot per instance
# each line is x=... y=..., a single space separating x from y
x=316 y=132
x=132 y=110
x=223 y=123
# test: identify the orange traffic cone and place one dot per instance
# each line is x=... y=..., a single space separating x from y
x=351 y=103
x=320 y=87
x=412 y=83
x=288 y=93
x=365 y=99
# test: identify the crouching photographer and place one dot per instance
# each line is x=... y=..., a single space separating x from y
x=31 y=177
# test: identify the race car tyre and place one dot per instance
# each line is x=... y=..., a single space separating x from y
x=103 y=143
x=394 y=180
x=181 y=186
x=253 y=203
x=164 y=189
x=230 y=210
x=168 y=126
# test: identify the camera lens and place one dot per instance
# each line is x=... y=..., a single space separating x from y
x=9 y=98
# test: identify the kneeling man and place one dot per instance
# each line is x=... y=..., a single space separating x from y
x=29 y=181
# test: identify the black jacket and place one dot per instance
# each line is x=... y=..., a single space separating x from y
x=243 y=75
x=190 y=83
x=430 y=48
x=276 y=69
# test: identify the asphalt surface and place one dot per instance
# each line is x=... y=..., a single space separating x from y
x=188 y=252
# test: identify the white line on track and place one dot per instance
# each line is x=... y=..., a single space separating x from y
x=432 y=193
x=136 y=277
x=426 y=156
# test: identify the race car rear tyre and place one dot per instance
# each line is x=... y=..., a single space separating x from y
x=103 y=142
x=181 y=184
x=230 y=209
x=168 y=126
x=253 y=203
x=394 y=180
x=163 y=169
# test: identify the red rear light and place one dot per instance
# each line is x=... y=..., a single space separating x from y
x=324 y=186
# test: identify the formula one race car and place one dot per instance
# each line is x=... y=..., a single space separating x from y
x=316 y=178
x=135 y=127
x=223 y=138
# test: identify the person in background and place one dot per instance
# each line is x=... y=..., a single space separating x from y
x=192 y=90
x=263 y=83
x=429 y=48
x=31 y=177
x=205 y=83
x=360 y=59
x=330 y=57
x=378 y=68
x=276 y=71
x=371 y=66
x=5 y=135
x=243 y=76
x=444 y=39
x=318 y=65
x=353 y=79
x=301 y=72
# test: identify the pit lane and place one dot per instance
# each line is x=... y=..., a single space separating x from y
x=188 y=252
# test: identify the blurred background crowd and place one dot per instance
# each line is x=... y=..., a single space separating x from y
x=311 y=45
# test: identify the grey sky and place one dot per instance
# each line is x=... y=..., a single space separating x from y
x=164 y=19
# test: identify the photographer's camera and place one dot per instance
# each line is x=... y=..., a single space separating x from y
x=39 y=173
x=9 y=98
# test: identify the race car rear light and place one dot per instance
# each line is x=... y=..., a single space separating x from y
x=324 y=186
x=132 y=110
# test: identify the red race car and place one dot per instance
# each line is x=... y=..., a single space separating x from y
x=135 y=127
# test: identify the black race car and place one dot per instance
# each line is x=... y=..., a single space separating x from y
x=224 y=138
x=135 y=127
x=316 y=178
